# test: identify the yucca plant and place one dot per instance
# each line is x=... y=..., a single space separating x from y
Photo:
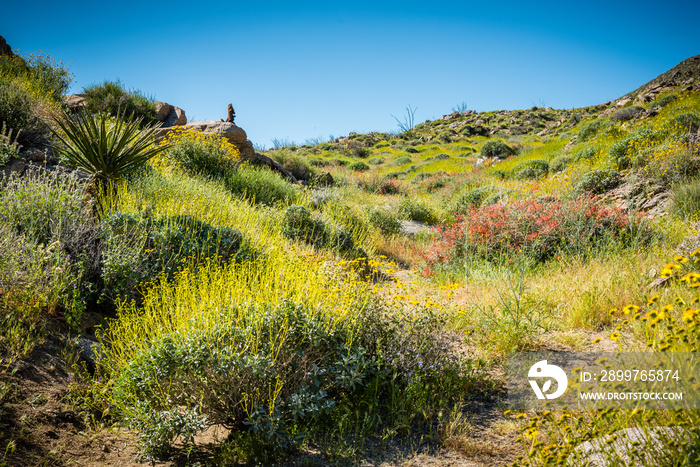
x=104 y=147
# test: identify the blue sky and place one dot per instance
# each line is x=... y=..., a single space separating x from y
x=301 y=70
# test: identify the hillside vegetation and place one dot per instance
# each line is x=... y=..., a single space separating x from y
x=375 y=302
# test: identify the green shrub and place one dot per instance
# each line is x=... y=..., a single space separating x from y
x=469 y=199
x=111 y=98
x=589 y=130
x=376 y=161
x=664 y=101
x=138 y=249
x=402 y=160
x=198 y=153
x=627 y=113
x=441 y=157
x=587 y=154
x=496 y=149
x=531 y=169
x=414 y=210
x=684 y=123
x=296 y=165
x=20 y=110
x=359 y=167
x=261 y=185
x=623 y=153
x=412 y=150
x=385 y=221
x=599 y=181
x=9 y=147
x=300 y=225
x=560 y=163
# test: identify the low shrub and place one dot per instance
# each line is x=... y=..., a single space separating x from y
x=411 y=209
x=359 y=167
x=296 y=165
x=412 y=150
x=383 y=185
x=469 y=199
x=684 y=123
x=111 y=98
x=560 y=163
x=431 y=182
x=531 y=170
x=376 y=161
x=628 y=113
x=21 y=111
x=299 y=224
x=385 y=221
x=496 y=149
x=197 y=152
x=260 y=185
x=685 y=201
x=664 y=101
x=402 y=160
x=138 y=249
x=588 y=154
x=623 y=153
x=598 y=181
x=590 y=130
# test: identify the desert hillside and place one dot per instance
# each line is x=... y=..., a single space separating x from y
x=171 y=295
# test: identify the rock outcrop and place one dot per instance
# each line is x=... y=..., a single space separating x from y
x=169 y=115
x=5 y=49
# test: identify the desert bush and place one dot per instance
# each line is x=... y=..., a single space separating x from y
x=197 y=152
x=295 y=164
x=20 y=111
x=628 y=113
x=589 y=130
x=496 y=149
x=402 y=160
x=664 y=101
x=260 y=185
x=383 y=185
x=359 y=167
x=414 y=210
x=623 y=153
x=138 y=249
x=441 y=157
x=538 y=229
x=411 y=150
x=433 y=181
x=299 y=224
x=532 y=169
x=598 y=181
x=55 y=252
x=685 y=201
x=111 y=98
x=385 y=220
x=684 y=123
x=469 y=199
x=588 y=154
x=376 y=161
x=9 y=147
x=560 y=163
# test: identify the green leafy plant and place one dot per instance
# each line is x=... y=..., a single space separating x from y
x=406 y=126
x=9 y=148
x=110 y=97
x=105 y=148
x=496 y=149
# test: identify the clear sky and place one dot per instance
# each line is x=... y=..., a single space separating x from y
x=302 y=70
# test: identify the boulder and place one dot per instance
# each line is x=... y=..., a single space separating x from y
x=162 y=110
x=175 y=117
x=232 y=132
x=75 y=101
x=623 y=101
x=5 y=49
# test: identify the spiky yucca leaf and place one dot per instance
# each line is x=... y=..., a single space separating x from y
x=104 y=147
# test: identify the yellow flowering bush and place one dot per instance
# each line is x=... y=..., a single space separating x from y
x=197 y=152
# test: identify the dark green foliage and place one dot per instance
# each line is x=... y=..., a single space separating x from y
x=560 y=163
x=531 y=170
x=441 y=157
x=599 y=181
x=19 y=111
x=623 y=153
x=589 y=130
x=111 y=98
x=685 y=123
x=664 y=101
x=471 y=198
x=315 y=162
x=138 y=249
x=260 y=185
x=412 y=150
x=299 y=224
x=627 y=113
x=359 y=167
x=402 y=160
x=104 y=148
x=586 y=154
x=385 y=221
x=496 y=149
x=414 y=210
x=296 y=165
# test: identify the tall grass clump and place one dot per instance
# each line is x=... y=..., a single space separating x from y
x=260 y=185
